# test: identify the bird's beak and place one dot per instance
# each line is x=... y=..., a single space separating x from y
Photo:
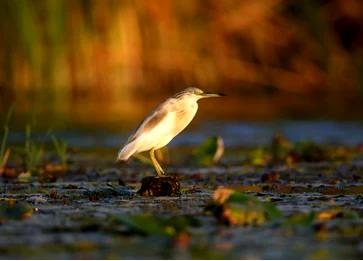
x=210 y=95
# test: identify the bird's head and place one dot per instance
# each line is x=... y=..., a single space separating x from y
x=199 y=94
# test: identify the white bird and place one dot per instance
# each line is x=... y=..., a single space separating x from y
x=163 y=124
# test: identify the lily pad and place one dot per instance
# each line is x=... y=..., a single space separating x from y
x=13 y=210
x=235 y=208
x=307 y=151
x=210 y=152
x=155 y=225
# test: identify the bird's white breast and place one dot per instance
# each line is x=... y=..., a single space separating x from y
x=175 y=121
x=179 y=115
x=184 y=116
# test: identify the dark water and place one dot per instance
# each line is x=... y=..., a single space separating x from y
x=74 y=215
x=233 y=134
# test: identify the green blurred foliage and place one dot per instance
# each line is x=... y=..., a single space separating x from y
x=233 y=207
x=152 y=225
x=13 y=210
x=209 y=152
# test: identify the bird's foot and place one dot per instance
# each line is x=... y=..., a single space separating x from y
x=161 y=175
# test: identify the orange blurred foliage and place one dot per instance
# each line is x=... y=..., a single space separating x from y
x=71 y=49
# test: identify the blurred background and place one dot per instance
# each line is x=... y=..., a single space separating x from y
x=107 y=63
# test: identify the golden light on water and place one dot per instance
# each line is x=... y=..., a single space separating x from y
x=119 y=56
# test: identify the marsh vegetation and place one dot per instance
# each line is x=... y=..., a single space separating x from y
x=278 y=198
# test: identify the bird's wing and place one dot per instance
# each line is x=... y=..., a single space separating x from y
x=153 y=120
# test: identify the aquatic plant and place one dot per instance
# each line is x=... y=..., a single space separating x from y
x=14 y=210
x=157 y=225
x=210 y=151
x=61 y=149
x=232 y=207
x=4 y=150
x=32 y=151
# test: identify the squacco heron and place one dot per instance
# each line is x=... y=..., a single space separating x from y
x=163 y=124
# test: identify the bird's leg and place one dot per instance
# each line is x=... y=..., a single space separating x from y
x=159 y=167
x=159 y=170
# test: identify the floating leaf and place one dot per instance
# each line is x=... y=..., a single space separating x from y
x=329 y=214
x=210 y=152
x=282 y=150
x=13 y=210
x=258 y=157
x=54 y=168
x=307 y=151
x=304 y=219
x=235 y=208
x=311 y=218
x=24 y=177
x=280 y=147
x=154 y=225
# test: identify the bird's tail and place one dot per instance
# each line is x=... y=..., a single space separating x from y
x=126 y=152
